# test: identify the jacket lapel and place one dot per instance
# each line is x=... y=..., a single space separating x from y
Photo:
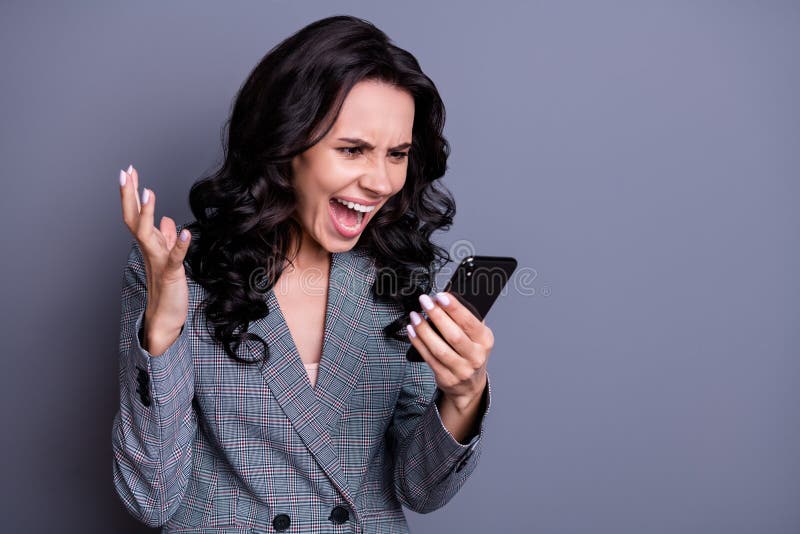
x=349 y=317
x=348 y=324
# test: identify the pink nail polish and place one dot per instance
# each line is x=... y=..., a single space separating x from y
x=411 y=331
x=426 y=302
x=415 y=318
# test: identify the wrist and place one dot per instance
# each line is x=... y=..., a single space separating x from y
x=465 y=404
x=459 y=404
x=460 y=416
x=157 y=341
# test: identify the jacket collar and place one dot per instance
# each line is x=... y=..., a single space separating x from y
x=349 y=320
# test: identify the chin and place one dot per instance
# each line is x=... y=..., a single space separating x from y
x=342 y=247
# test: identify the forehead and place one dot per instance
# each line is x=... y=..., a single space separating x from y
x=376 y=111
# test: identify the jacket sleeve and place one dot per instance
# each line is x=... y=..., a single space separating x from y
x=430 y=464
x=153 y=430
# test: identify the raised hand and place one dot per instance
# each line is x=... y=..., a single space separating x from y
x=163 y=253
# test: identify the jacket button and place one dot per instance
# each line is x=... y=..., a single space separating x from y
x=142 y=377
x=281 y=522
x=339 y=515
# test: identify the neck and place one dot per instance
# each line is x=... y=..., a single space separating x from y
x=308 y=255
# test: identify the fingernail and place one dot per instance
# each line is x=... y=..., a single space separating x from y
x=130 y=168
x=444 y=299
x=122 y=177
x=426 y=302
x=184 y=235
x=145 y=196
x=411 y=331
x=415 y=318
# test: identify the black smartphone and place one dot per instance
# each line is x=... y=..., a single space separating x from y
x=477 y=283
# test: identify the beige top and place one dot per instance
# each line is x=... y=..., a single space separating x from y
x=312 y=369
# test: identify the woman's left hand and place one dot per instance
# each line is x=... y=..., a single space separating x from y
x=458 y=357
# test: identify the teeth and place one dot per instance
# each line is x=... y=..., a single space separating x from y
x=357 y=207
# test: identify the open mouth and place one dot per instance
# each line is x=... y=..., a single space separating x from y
x=348 y=221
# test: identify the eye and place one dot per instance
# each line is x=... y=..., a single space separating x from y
x=354 y=150
x=345 y=150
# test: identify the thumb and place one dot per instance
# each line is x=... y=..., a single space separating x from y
x=178 y=252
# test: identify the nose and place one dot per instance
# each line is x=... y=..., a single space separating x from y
x=377 y=179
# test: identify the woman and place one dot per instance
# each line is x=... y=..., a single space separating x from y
x=297 y=410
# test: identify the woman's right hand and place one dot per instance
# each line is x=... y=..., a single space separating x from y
x=163 y=253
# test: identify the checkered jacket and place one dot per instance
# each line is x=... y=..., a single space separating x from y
x=204 y=444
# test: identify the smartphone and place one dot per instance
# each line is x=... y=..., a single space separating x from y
x=477 y=283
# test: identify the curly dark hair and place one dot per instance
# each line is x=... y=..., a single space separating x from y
x=288 y=103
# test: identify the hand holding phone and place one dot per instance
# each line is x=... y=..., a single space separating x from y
x=477 y=283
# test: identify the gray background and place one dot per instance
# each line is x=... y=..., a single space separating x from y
x=639 y=159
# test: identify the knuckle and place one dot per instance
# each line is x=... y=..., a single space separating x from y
x=463 y=374
x=477 y=362
x=450 y=383
x=489 y=337
x=458 y=337
x=437 y=352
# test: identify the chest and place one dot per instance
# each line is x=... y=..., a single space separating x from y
x=303 y=307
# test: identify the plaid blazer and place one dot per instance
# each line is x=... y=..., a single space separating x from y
x=204 y=444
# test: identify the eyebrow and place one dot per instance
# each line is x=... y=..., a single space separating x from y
x=357 y=141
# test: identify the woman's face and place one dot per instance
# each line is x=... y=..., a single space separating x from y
x=368 y=168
